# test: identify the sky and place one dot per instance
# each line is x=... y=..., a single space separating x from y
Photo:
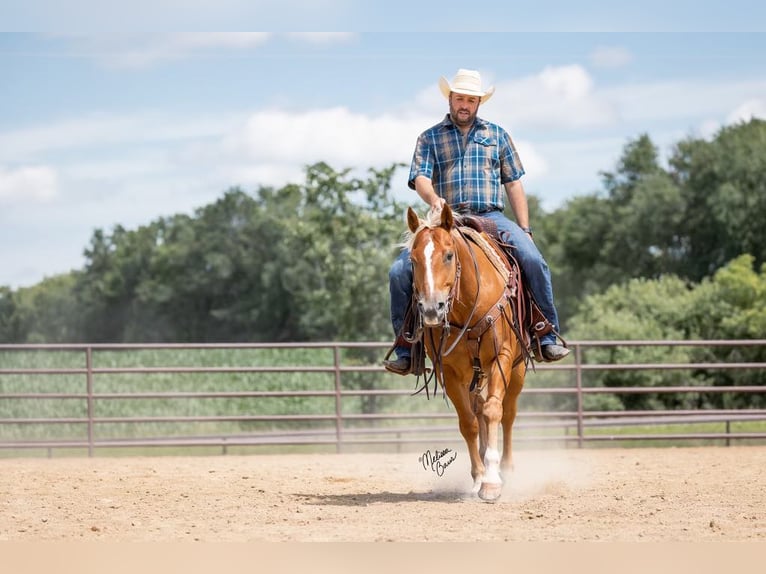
x=116 y=128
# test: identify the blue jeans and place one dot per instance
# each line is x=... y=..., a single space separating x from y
x=533 y=267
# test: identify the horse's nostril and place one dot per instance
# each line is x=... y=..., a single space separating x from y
x=440 y=306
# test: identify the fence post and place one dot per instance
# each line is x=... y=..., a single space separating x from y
x=89 y=385
x=728 y=432
x=338 y=404
x=578 y=378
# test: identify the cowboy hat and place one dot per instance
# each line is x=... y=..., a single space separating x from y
x=466 y=82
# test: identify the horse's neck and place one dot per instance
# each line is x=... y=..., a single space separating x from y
x=479 y=279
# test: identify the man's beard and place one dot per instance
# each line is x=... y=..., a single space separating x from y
x=461 y=120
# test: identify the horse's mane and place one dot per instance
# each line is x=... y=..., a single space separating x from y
x=433 y=220
x=430 y=221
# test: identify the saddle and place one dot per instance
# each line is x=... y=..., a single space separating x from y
x=532 y=324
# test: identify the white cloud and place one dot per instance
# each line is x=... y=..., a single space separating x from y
x=610 y=57
x=571 y=83
x=708 y=128
x=535 y=164
x=754 y=108
x=679 y=101
x=29 y=184
x=744 y=112
x=102 y=130
x=138 y=164
x=335 y=135
x=265 y=174
x=562 y=97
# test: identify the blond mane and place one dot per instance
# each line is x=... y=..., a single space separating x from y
x=433 y=220
x=430 y=221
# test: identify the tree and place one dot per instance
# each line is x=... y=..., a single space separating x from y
x=688 y=221
x=730 y=305
x=10 y=328
x=47 y=312
x=304 y=262
x=347 y=232
x=724 y=190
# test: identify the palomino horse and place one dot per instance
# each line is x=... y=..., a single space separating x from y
x=462 y=290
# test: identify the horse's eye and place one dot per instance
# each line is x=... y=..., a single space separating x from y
x=449 y=256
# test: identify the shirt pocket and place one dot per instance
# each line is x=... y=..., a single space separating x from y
x=485 y=141
x=488 y=150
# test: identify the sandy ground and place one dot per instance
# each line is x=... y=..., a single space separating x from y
x=668 y=494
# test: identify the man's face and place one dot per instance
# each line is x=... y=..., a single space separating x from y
x=463 y=108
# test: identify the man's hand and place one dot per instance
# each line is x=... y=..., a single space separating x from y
x=437 y=205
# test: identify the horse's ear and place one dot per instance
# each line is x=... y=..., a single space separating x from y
x=448 y=220
x=413 y=221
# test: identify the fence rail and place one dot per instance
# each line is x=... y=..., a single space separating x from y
x=576 y=425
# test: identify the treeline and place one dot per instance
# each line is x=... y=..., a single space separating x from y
x=687 y=220
x=671 y=251
x=300 y=263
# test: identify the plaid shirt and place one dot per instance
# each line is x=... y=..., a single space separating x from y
x=468 y=174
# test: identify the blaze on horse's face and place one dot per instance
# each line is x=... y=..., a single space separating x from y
x=434 y=267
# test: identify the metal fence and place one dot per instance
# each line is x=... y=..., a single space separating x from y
x=340 y=428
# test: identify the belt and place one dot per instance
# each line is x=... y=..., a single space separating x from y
x=465 y=209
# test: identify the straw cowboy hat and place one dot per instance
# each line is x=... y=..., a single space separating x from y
x=466 y=82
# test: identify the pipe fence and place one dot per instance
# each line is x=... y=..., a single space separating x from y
x=336 y=396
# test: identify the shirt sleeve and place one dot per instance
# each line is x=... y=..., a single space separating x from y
x=422 y=160
x=511 y=167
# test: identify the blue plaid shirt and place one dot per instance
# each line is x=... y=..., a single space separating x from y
x=467 y=175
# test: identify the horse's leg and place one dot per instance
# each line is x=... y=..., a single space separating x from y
x=469 y=426
x=478 y=409
x=509 y=415
x=492 y=485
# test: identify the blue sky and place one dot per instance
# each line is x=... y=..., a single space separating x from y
x=123 y=128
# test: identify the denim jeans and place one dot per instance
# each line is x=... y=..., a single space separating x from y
x=534 y=270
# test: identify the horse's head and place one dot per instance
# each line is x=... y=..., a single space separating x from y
x=434 y=264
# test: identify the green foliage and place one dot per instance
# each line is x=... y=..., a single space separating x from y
x=724 y=190
x=10 y=327
x=44 y=313
x=689 y=220
x=730 y=305
x=305 y=262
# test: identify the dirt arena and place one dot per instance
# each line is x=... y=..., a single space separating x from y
x=668 y=494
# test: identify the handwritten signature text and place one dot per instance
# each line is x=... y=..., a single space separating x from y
x=437 y=461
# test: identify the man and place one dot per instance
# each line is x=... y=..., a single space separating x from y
x=470 y=163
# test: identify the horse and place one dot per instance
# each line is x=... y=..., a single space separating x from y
x=464 y=294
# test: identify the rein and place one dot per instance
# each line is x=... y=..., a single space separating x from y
x=465 y=327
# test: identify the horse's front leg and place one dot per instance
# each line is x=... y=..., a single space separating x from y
x=492 y=483
x=492 y=413
x=478 y=409
x=469 y=428
x=510 y=406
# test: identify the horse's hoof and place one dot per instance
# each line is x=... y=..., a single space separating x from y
x=490 y=492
